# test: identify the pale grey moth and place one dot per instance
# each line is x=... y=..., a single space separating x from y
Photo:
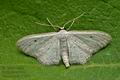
x=72 y=47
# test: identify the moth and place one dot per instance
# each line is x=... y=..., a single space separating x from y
x=72 y=47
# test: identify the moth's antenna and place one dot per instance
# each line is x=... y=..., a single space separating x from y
x=48 y=24
x=42 y=24
x=73 y=20
x=71 y=25
x=52 y=24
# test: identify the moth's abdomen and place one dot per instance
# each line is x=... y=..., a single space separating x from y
x=64 y=51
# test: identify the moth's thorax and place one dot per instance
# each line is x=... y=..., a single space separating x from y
x=62 y=34
x=62 y=31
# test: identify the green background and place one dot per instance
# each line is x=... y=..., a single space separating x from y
x=18 y=18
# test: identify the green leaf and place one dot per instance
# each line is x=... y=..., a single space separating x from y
x=18 y=18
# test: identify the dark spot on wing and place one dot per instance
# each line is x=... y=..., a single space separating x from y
x=35 y=40
x=91 y=36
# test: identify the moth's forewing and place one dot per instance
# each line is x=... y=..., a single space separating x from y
x=44 y=47
x=83 y=44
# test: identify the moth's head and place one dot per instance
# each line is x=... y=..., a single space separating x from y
x=62 y=28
